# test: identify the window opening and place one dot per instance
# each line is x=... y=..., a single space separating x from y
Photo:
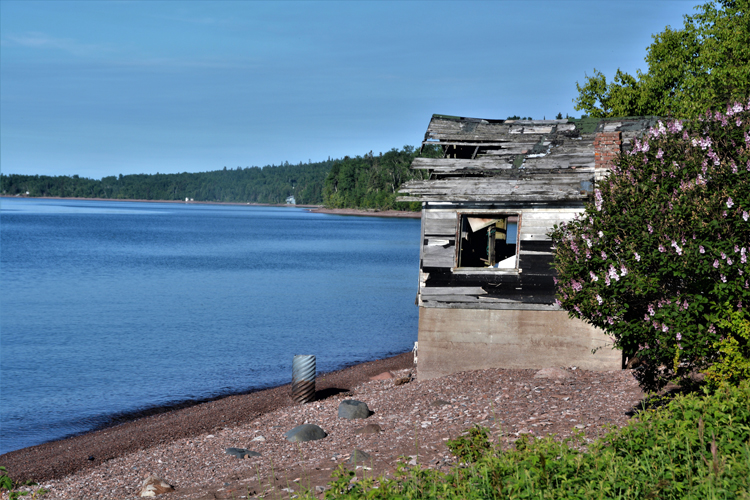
x=488 y=242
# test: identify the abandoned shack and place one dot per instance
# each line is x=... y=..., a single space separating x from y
x=486 y=286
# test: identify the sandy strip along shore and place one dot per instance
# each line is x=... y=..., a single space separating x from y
x=187 y=447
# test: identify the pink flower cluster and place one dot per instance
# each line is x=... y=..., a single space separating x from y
x=703 y=143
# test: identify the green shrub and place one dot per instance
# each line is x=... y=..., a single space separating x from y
x=665 y=245
x=471 y=446
x=733 y=365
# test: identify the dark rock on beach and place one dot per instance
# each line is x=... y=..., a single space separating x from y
x=305 y=432
x=351 y=409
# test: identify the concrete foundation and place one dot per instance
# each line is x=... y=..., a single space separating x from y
x=455 y=340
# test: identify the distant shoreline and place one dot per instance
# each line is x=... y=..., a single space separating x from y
x=366 y=213
x=318 y=209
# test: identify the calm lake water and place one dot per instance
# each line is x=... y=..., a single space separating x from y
x=112 y=307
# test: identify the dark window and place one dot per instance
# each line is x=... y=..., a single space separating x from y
x=488 y=240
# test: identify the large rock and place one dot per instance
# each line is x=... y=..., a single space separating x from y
x=305 y=432
x=242 y=453
x=153 y=486
x=351 y=409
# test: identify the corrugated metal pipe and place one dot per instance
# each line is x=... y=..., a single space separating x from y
x=303 y=378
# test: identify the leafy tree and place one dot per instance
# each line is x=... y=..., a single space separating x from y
x=703 y=65
x=661 y=255
x=372 y=182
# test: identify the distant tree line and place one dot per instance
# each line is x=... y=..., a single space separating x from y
x=362 y=182
x=271 y=184
x=372 y=182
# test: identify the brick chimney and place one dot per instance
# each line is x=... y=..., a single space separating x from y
x=606 y=146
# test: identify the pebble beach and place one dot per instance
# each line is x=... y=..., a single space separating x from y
x=410 y=421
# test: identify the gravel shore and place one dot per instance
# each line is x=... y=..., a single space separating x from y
x=187 y=447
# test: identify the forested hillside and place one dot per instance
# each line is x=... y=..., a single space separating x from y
x=271 y=184
x=372 y=181
x=361 y=182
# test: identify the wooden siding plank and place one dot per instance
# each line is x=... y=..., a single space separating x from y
x=438 y=256
x=548 y=187
x=501 y=161
x=495 y=306
x=440 y=227
x=442 y=242
x=453 y=290
x=439 y=214
x=539 y=236
x=551 y=215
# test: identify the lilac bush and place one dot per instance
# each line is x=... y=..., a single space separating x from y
x=661 y=254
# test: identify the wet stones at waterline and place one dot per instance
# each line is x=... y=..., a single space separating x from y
x=305 y=432
x=351 y=409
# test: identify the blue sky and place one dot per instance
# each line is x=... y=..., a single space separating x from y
x=100 y=88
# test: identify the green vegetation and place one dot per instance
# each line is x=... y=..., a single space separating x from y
x=733 y=363
x=692 y=448
x=703 y=65
x=17 y=490
x=372 y=181
x=271 y=184
x=368 y=182
x=659 y=260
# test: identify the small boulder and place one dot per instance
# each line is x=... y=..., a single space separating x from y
x=305 y=432
x=242 y=453
x=351 y=409
x=553 y=373
x=369 y=429
x=154 y=485
x=402 y=381
x=382 y=376
x=359 y=456
x=258 y=438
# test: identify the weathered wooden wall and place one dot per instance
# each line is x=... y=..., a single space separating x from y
x=531 y=288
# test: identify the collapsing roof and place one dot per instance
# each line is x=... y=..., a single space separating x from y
x=514 y=160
